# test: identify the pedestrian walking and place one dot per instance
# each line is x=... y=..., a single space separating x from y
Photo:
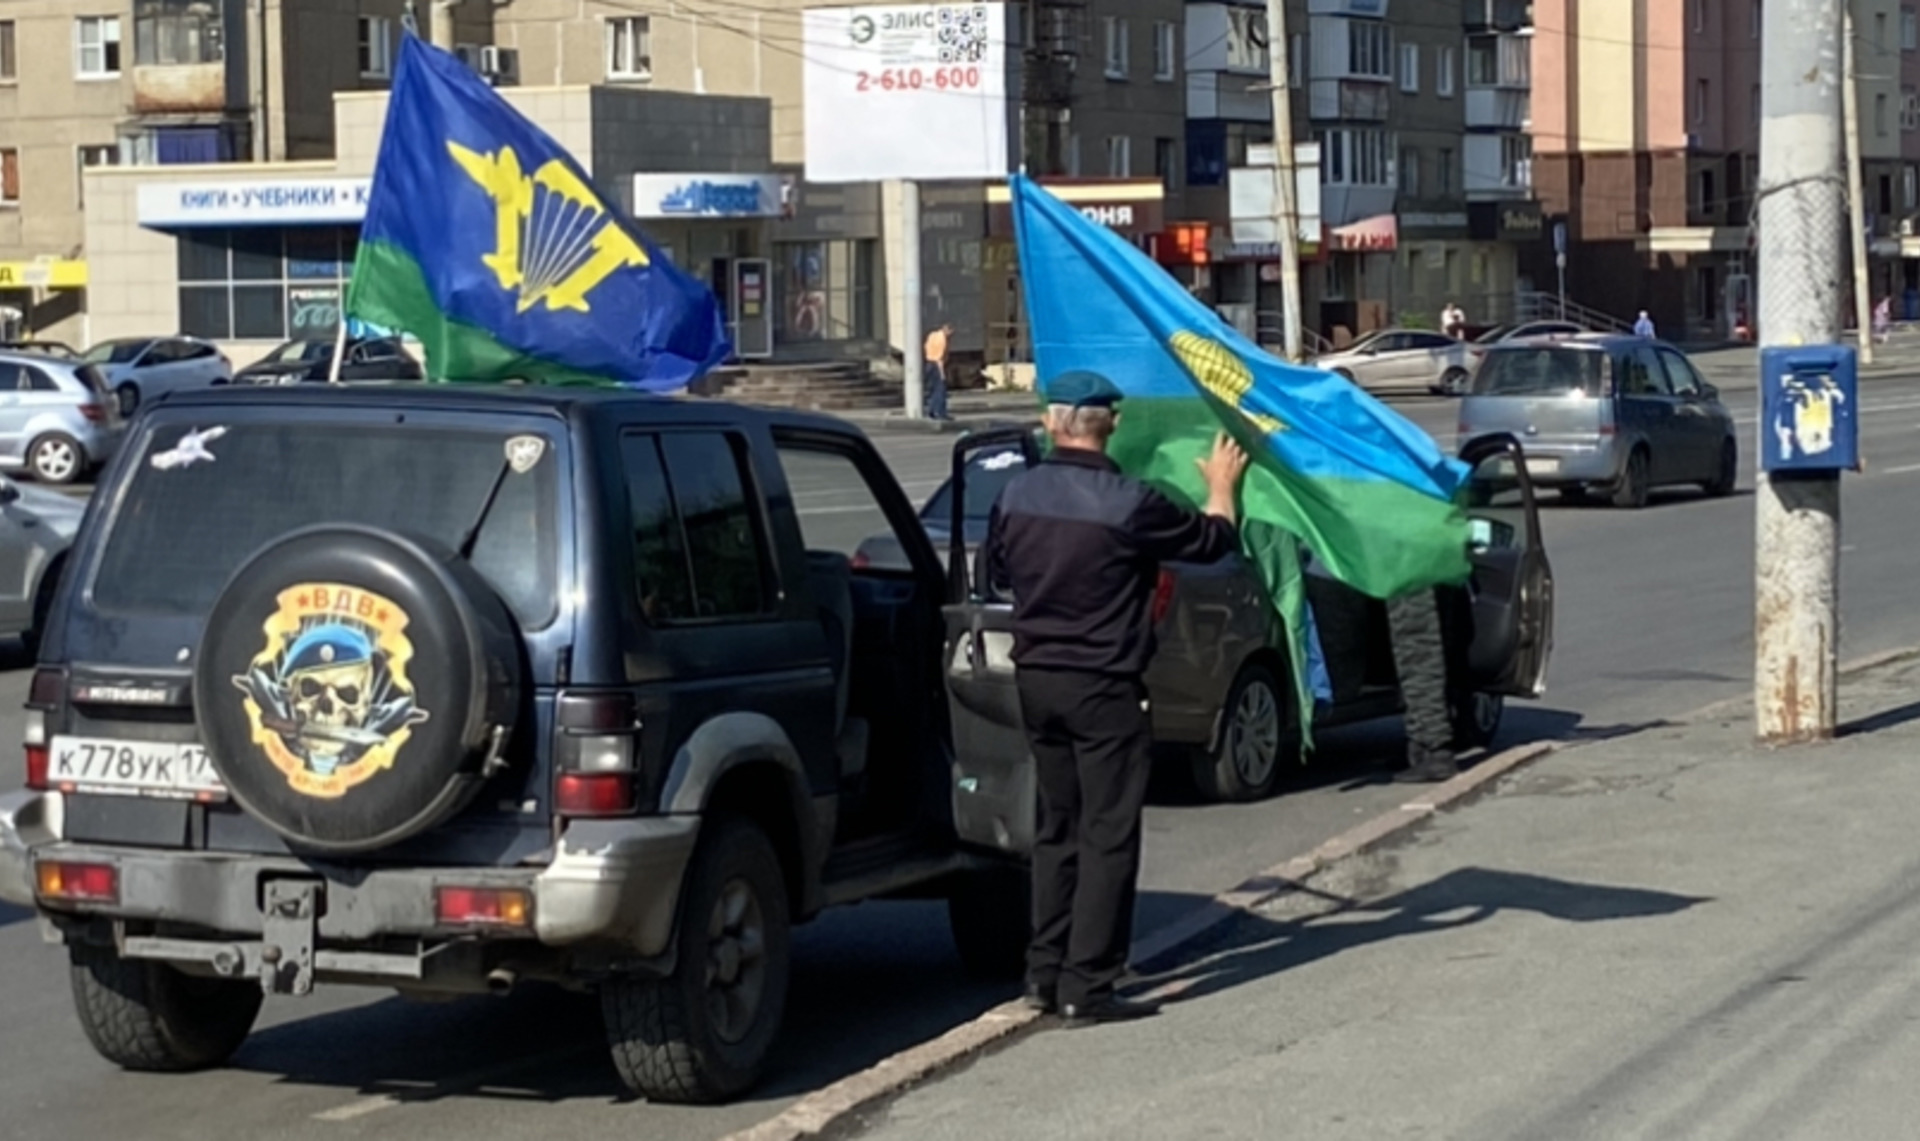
x=1453 y=321
x=933 y=372
x=1644 y=326
x=1883 y=319
x=1079 y=545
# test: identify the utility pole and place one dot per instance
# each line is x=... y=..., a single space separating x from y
x=1797 y=515
x=440 y=31
x=1856 y=198
x=912 y=350
x=1285 y=192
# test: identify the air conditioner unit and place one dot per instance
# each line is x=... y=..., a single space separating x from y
x=468 y=54
x=500 y=65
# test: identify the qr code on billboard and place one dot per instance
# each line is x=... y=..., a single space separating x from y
x=963 y=33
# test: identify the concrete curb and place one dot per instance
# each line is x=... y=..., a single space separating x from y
x=832 y=1105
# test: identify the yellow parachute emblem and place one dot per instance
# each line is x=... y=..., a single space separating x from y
x=1221 y=372
x=554 y=241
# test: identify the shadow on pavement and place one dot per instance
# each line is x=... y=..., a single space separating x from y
x=9 y=914
x=1885 y=719
x=868 y=982
x=1256 y=947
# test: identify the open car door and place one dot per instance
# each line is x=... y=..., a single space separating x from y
x=994 y=797
x=1512 y=585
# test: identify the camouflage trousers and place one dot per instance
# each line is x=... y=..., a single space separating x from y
x=1420 y=660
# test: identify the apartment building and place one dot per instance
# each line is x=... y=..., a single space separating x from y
x=102 y=83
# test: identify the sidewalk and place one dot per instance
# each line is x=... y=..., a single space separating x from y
x=1736 y=368
x=1671 y=934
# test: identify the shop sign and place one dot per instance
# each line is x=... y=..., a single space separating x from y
x=313 y=311
x=49 y=273
x=280 y=201
x=1518 y=221
x=1133 y=207
x=712 y=195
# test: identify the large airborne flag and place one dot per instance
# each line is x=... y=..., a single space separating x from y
x=486 y=241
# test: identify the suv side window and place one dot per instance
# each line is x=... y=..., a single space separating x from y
x=699 y=549
x=836 y=508
x=13 y=376
x=34 y=380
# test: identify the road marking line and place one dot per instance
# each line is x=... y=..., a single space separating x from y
x=1903 y=469
x=453 y=1085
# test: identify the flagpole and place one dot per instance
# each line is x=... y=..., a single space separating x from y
x=339 y=349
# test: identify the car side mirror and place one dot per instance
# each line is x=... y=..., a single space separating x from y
x=1709 y=392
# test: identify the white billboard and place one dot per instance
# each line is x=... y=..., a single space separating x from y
x=1251 y=194
x=914 y=91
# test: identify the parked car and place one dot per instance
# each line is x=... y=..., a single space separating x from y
x=37 y=526
x=57 y=420
x=592 y=702
x=1605 y=413
x=1402 y=359
x=138 y=367
x=1501 y=334
x=367 y=359
x=47 y=348
x=1221 y=700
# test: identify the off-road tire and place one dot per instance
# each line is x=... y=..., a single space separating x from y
x=1630 y=493
x=661 y=1033
x=147 y=1016
x=991 y=915
x=1217 y=775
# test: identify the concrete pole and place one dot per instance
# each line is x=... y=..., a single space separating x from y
x=440 y=23
x=1285 y=190
x=1797 y=517
x=911 y=333
x=1856 y=197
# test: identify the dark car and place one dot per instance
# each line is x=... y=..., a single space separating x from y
x=305 y=361
x=1606 y=414
x=444 y=690
x=1222 y=701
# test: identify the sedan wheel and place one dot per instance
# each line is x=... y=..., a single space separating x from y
x=1253 y=737
x=1453 y=382
x=56 y=459
x=1631 y=491
x=1727 y=475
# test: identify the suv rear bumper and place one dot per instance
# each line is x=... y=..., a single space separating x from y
x=610 y=881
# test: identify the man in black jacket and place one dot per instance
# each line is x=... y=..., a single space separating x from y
x=1080 y=546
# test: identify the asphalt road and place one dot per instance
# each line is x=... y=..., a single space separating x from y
x=1654 y=619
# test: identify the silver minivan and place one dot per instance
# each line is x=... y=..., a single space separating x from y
x=1605 y=414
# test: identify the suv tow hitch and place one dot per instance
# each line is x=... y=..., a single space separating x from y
x=290 y=921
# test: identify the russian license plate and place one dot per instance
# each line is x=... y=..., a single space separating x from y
x=133 y=768
x=1543 y=465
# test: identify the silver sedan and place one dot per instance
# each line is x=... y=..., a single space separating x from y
x=1402 y=360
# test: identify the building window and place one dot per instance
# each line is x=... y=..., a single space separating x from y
x=9 y=65
x=1297 y=61
x=264 y=284
x=1700 y=98
x=1247 y=40
x=1357 y=158
x=1483 y=61
x=1166 y=163
x=1163 y=47
x=1369 y=49
x=1116 y=47
x=1443 y=179
x=178 y=33
x=86 y=156
x=376 y=47
x=1073 y=155
x=1410 y=171
x=1880 y=30
x=9 y=176
x=1516 y=161
x=1753 y=19
x=1909 y=30
x=1910 y=188
x=1410 y=68
x=826 y=291
x=1703 y=200
x=1699 y=15
x=1119 y=156
x=1880 y=114
x=1909 y=109
x=96 y=47
x=1443 y=72
x=630 y=47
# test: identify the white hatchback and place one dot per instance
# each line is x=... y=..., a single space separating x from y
x=138 y=367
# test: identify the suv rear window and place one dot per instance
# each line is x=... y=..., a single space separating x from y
x=1542 y=371
x=181 y=531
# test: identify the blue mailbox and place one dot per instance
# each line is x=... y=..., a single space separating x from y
x=1809 y=399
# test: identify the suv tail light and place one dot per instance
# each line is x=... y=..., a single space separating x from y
x=481 y=906
x=94 y=413
x=43 y=697
x=80 y=883
x=594 y=753
x=1162 y=595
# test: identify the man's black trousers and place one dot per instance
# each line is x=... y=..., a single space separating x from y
x=1092 y=741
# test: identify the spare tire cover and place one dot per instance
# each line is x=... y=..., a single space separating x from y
x=351 y=684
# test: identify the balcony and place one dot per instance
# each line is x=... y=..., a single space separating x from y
x=1498 y=167
x=1498 y=109
x=179 y=57
x=1348 y=100
x=1506 y=15
x=1213 y=95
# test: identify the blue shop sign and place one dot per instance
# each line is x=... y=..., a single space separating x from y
x=711 y=195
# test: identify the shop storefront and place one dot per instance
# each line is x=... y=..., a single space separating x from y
x=826 y=268
x=41 y=298
x=718 y=227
